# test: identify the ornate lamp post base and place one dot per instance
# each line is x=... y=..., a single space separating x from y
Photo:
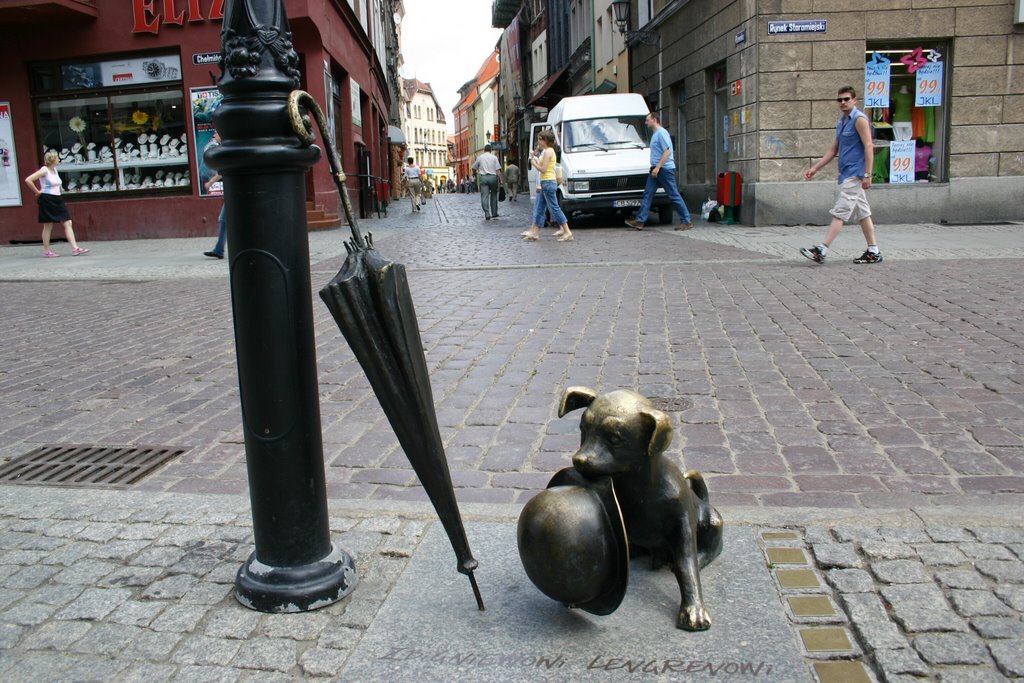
x=307 y=587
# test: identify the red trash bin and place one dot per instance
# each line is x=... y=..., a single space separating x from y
x=730 y=194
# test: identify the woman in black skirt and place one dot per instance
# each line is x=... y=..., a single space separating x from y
x=51 y=206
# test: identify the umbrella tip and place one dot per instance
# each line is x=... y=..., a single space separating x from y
x=476 y=592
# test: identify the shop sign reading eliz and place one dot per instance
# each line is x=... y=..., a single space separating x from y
x=150 y=14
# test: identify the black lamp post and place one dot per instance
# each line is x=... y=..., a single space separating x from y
x=621 y=9
x=295 y=566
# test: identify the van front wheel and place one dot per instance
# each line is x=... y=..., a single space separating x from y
x=665 y=215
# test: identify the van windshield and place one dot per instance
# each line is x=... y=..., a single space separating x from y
x=607 y=132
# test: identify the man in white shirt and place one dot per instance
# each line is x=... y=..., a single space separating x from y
x=488 y=175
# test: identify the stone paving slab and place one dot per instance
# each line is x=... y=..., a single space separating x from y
x=162 y=609
x=429 y=628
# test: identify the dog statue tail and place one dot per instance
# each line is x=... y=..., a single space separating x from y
x=709 y=522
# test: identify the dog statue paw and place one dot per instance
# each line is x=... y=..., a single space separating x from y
x=661 y=509
x=694 y=618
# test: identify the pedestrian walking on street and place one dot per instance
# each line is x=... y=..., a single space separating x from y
x=51 y=206
x=547 y=191
x=856 y=153
x=222 y=230
x=488 y=175
x=222 y=226
x=512 y=181
x=662 y=174
x=413 y=184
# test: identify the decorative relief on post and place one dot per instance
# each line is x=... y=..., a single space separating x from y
x=245 y=41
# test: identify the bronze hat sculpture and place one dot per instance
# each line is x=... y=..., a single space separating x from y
x=572 y=543
x=666 y=512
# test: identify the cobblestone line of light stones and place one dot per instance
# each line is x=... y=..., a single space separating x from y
x=941 y=603
x=114 y=588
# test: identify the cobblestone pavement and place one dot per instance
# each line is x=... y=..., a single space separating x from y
x=790 y=383
x=868 y=417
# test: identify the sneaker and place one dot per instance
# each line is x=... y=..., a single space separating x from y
x=213 y=254
x=684 y=226
x=869 y=257
x=814 y=253
x=634 y=223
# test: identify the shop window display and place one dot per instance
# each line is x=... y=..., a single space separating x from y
x=912 y=105
x=115 y=140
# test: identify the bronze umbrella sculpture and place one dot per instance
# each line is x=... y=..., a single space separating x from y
x=371 y=302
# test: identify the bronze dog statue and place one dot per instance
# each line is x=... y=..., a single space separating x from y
x=665 y=512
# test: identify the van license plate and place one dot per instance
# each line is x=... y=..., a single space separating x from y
x=619 y=203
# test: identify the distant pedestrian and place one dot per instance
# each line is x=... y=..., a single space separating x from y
x=488 y=175
x=51 y=206
x=547 y=195
x=413 y=184
x=222 y=226
x=512 y=181
x=663 y=174
x=856 y=152
x=222 y=229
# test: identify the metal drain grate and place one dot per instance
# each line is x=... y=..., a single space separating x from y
x=108 y=467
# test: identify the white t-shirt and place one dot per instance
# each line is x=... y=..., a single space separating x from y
x=487 y=164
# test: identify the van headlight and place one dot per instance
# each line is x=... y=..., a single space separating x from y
x=580 y=186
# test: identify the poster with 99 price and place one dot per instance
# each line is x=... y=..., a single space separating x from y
x=929 y=85
x=901 y=161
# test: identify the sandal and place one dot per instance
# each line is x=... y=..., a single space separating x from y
x=79 y=251
x=50 y=254
x=564 y=238
x=530 y=238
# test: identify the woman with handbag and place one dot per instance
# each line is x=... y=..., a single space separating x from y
x=547 y=195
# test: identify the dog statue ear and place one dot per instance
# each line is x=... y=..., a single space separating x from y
x=661 y=431
x=576 y=397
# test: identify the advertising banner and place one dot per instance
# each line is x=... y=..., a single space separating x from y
x=10 y=183
x=140 y=71
x=901 y=161
x=929 y=85
x=876 y=81
x=357 y=103
x=204 y=101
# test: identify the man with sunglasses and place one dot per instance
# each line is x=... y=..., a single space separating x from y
x=856 y=155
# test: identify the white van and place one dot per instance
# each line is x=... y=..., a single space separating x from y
x=606 y=155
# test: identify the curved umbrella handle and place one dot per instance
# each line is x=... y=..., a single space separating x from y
x=301 y=102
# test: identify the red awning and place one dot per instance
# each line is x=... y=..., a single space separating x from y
x=43 y=12
x=548 y=94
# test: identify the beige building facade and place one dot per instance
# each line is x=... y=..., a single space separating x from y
x=426 y=132
x=749 y=86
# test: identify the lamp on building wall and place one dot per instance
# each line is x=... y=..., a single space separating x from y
x=622 y=10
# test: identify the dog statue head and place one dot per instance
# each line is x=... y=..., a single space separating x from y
x=619 y=430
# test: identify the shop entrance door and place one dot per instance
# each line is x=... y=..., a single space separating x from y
x=719 y=121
